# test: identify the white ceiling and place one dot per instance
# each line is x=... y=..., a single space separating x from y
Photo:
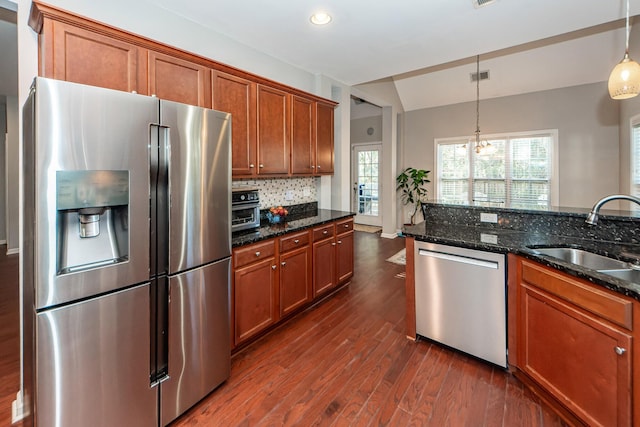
x=427 y=47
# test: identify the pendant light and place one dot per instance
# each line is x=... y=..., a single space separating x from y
x=480 y=146
x=624 y=81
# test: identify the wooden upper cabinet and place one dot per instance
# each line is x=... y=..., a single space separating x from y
x=237 y=96
x=302 y=136
x=324 y=141
x=273 y=135
x=77 y=55
x=178 y=80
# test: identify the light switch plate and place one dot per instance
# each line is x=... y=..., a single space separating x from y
x=288 y=195
x=488 y=217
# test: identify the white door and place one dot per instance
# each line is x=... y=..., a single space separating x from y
x=365 y=176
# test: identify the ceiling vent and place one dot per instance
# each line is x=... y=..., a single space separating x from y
x=480 y=3
x=484 y=75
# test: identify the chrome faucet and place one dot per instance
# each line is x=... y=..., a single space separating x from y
x=592 y=218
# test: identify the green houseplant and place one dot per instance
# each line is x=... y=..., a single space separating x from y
x=411 y=185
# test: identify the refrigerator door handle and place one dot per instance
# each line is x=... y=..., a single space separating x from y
x=159 y=198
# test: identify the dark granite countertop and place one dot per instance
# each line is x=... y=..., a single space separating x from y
x=523 y=243
x=294 y=223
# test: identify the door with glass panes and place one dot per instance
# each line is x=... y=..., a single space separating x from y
x=365 y=176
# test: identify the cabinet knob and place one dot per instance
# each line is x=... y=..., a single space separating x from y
x=620 y=350
x=261 y=165
x=257 y=253
x=273 y=267
x=153 y=95
x=325 y=231
x=313 y=167
x=134 y=92
x=296 y=241
x=339 y=242
x=346 y=226
x=333 y=244
x=318 y=166
x=283 y=263
x=252 y=165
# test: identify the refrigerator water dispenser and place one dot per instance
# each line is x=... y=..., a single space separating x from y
x=92 y=219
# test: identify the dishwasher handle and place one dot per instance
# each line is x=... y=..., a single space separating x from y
x=460 y=259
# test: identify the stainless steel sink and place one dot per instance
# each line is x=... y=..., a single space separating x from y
x=602 y=264
x=624 y=274
x=584 y=258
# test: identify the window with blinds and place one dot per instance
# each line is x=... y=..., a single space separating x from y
x=517 y=172
x=635 y=157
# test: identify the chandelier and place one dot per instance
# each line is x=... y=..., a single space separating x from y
x=480 y=145
x=624 y=81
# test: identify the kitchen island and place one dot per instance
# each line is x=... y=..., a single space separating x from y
x=572 y=331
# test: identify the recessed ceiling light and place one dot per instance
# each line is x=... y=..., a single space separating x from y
x=320 y=18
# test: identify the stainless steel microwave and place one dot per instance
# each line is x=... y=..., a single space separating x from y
x=245 y=208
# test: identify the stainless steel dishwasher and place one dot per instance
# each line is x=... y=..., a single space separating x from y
x=460 y=299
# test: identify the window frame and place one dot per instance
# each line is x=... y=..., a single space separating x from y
x=508 y=136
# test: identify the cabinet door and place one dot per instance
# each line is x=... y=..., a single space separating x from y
x=324 y=266
x=273 y=138
x=302 y=136
x=255 y=299
x=576 y=357
x=344 y=257
x=295 y=279
x=237 y=96
x=178 y=80
x=77 y=55
x=324 y=138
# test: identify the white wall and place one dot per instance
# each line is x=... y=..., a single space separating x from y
x=586 y=118
x=384 y=94
x=12 y=151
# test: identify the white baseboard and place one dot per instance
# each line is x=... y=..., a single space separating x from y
x=389 y=235
x=3 y=242
x=13 y=251
x=17 y=409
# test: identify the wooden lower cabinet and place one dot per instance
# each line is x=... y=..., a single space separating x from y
x=275 y=278
x=295 y=279
x=574 y=340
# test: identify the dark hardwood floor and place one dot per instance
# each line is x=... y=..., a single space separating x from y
x=344 y=362
x=9 y=334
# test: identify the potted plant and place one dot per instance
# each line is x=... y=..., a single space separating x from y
x=411 y=185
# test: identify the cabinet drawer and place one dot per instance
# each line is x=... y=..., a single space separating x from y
x=344 y=226
x=598 y=301
x=323 y=232
x=294 y=241
x=253 y=253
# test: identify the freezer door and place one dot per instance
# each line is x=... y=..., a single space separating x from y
x=199 y=337
x=92 y=363
x=87 y=146
x=199 y=185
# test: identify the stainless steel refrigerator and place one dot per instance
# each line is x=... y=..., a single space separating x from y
x=127 y=246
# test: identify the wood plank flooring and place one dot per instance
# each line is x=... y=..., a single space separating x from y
x=347 y=362
x=344 y=362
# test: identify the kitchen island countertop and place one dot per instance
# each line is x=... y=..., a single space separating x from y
x=524 y=243
x=293 y=223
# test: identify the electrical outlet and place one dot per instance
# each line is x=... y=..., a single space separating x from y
x=288 y=195
x=488 y=217
x=306 y=192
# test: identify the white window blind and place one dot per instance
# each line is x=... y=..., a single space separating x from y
x=517 y=173
x=635 y=159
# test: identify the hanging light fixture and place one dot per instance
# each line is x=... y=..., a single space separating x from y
x=480 y=146
x=624 y=81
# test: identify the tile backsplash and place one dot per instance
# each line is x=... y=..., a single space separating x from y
x=273 y=192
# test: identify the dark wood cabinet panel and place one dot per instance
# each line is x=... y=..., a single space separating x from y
x=254 y=299
x=237 y=96
x=577 y=348
x=324 y=138
x=324 y=266
x=344 y=256
x=77 y=55
x=272 y=129
x=178 y=80
x=295 y=279
x=302 y=136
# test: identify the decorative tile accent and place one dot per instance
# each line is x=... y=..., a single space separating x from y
x=273 y=191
